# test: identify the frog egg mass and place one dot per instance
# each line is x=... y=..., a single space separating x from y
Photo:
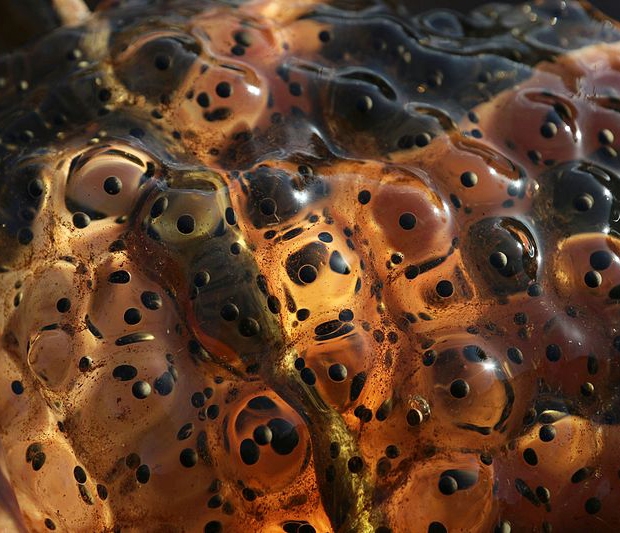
x=311 y=267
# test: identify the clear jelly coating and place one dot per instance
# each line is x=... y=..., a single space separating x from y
x=307 y=267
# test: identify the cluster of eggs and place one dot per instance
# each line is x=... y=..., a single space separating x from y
x=311 y=268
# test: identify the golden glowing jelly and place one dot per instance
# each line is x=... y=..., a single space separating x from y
x=306 y=267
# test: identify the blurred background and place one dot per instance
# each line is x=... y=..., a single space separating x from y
x=609 y=7
x=23 y=20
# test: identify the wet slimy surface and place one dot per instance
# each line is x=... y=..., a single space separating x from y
x=311 y=268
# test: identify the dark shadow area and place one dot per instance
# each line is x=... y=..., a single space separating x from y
x=22 y=21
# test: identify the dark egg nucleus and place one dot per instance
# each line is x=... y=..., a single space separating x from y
x=309 y=267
